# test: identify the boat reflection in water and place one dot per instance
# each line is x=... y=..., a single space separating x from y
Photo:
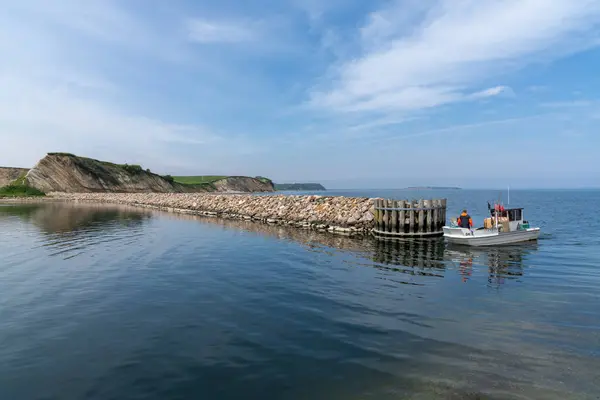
x=503 y=262
x=430 y=258
x=71 y=228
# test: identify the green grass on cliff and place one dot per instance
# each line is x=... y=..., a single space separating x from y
x=204 y=179
x=198 y=180
x=14 y=190
x=97 y=167
x=101 y=169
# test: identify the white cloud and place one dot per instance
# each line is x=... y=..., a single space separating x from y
x=215 y=31
x=106 y=22
x=39 y=118
x=494 y=91
x=444 y=48
x=56 y=95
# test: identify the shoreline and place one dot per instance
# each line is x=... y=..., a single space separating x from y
x=350 y=216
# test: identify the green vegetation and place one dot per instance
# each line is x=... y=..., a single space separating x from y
x=168 y=178
x=16 y=190
x=98 y=167
x=104 y=170
x=198 y=180
x=20 y=181
x=264 y=180
x=132 y=169
x=62 y=154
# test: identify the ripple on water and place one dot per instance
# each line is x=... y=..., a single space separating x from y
x=103 y=302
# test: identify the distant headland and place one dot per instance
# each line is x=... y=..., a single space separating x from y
x=299 y=186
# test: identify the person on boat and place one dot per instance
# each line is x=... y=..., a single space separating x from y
x=465 y=221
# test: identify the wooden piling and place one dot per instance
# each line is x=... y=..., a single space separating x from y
x=436 y=214
x=424 y=217
x=421 y=216
x=394 y=224
x=390 y=219
x=411 y=218
x=379 y=214
x=401 y=216
x=428 y=211
x=443 y=209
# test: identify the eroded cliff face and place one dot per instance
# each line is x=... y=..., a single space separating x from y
x=61 y=172
x=242 y=184
x=9 y=175
x=71 y=174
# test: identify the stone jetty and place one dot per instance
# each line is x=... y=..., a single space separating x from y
x=343 y=215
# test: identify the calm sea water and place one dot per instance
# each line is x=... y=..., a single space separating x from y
x=102 y=302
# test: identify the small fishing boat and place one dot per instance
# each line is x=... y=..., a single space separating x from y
x=505 y=226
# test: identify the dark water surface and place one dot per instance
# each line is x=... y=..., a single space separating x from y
x=102 y=302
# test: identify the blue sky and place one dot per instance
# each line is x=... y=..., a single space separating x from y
x=474 y=93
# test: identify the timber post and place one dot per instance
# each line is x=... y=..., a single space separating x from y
x=406 y=218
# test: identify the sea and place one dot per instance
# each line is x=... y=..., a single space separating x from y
x=115 y=302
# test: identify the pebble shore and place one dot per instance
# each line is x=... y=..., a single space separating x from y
x=342 y=215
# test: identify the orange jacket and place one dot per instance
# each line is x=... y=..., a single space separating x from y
x=463 y=215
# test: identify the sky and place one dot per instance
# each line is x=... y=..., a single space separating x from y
x=349 y=93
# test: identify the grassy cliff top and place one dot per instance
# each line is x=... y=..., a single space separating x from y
x=203 y=179
x=197 y=180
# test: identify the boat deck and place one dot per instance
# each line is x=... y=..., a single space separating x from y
x=487 y=237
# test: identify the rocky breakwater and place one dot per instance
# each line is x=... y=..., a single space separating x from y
x=344 y=215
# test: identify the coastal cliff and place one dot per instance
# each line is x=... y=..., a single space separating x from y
x=242 y=184
x=9 y=175
x=64 y=172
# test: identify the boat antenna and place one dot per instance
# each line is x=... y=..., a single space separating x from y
x=508 y=195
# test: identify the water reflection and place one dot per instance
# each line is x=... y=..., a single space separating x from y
x=424 y=257
x=69 y=229
x=419 y=253
x=57 y=218
x=504 y=263
x=266 y=327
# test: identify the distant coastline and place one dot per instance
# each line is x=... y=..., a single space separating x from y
x=299 y=186
x=432 y=188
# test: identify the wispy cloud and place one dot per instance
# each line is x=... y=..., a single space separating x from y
x=214 y=86
x=467 y=127
x=221 y=31
x=376 y=123
x=41 y=118
x=494 y=91
x=65 y=87
x=444 y=48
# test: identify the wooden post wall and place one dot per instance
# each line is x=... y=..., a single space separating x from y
x=424 y=217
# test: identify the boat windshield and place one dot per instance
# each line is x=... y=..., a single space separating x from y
x=515 y=215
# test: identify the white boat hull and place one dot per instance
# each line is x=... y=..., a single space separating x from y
x=488 y=237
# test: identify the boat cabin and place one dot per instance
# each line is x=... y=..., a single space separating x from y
x=513 y=216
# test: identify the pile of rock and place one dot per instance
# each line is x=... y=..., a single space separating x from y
x=347 y=215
